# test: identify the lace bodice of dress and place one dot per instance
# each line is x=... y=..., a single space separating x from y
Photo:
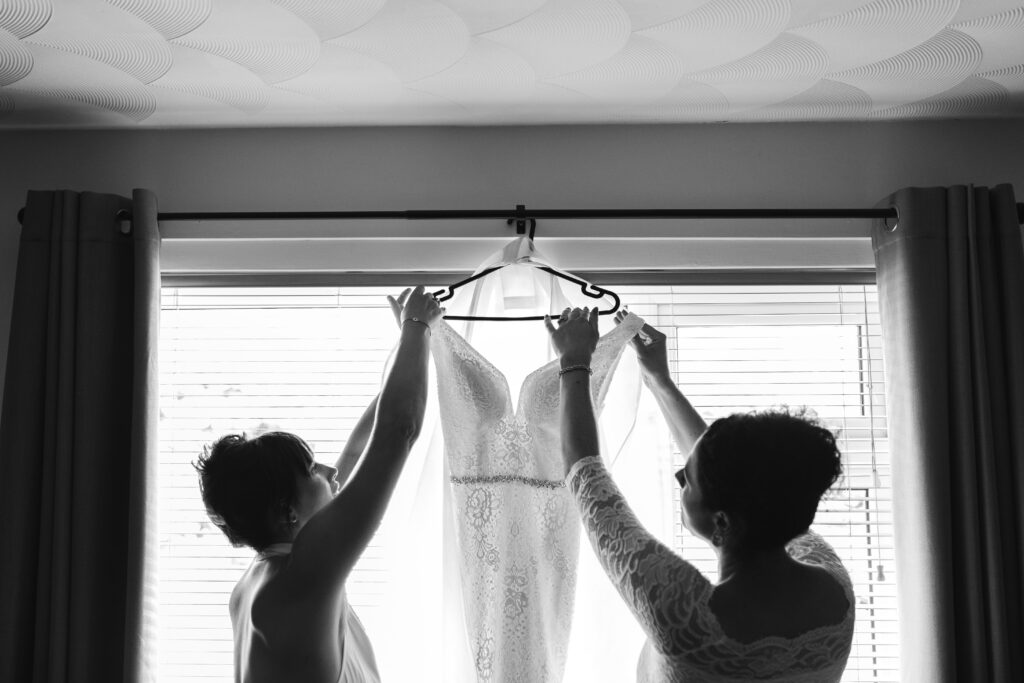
x=517 y=533
x=484 y=435
x=669 y=597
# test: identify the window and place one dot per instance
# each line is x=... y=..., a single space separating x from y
x=308 y=359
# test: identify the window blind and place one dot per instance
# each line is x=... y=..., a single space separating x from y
x=308 y=360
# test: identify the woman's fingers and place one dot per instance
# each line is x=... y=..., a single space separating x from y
x=651 y=332
x=547 y=324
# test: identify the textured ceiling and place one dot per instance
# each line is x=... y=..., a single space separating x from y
x=201 y=63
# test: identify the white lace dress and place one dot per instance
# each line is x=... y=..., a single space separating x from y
x=517 y=533
x=669 y=597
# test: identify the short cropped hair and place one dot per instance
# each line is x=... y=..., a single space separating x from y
x=246 y=482
x=769 y=469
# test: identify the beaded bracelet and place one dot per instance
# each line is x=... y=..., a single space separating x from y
x=575 y=367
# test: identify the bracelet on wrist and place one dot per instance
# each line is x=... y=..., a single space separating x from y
x=572 y=368
x=416 y=320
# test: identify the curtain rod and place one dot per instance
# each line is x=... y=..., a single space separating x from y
x=520 y=213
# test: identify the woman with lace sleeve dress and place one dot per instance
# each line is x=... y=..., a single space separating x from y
x=783 y=608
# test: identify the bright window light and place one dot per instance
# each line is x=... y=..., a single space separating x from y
x=309 y=359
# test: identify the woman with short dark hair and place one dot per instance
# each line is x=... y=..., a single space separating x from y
x=309 y=523
x=783 y=608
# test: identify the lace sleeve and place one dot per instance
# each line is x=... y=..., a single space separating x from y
x=811 y=548
x=662 y=590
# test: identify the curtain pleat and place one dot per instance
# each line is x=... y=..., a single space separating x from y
x=951 y=290
x=77 y=440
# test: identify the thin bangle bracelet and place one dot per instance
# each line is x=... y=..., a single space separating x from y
x=575 y=367
x=416 y=320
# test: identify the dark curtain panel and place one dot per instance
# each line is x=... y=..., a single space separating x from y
x=78 y=440
x=951 y=289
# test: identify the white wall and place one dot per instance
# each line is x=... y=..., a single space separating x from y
x=727 y=166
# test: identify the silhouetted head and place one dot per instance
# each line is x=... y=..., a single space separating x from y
x=755 y=479
x=263 y=490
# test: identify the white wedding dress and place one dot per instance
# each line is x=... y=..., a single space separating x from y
x=517 y=531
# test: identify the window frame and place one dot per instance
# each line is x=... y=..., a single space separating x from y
x=237 y=260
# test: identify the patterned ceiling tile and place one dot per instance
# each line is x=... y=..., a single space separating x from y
x=970 y=96
x=488 y=73
x=24 y=17
x=1003 y=34
x=15 y=59
x=721 y=31
x=787 y=57
x=567 y=35
x=115 y=38
x=569 y=106
x=481 y=17
x=825 y=101
x=976 y=9
x=650 y=13
x=803 y=12
x=269 y=41
x=928 y=69
x=1011 y=77
x=416 y=38
x=330 y=18
x=172 y=104
x=200 y=63
x=216 y=78
x=87 y=81
x=348 y=78
x=878 y=30
x=689 y=101
x=170 y=18
x=643 y=70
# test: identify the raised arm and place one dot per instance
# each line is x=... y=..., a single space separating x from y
x=660 y=588
x=575 y=340
x=330 y=543
x=683 y=420
x=356 y=443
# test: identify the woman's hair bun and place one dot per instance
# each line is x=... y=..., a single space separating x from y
x=769 y=468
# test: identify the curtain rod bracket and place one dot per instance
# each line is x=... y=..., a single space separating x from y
x=520 y=221
x=895 y=220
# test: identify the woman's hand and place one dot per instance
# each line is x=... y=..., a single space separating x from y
x=416 y=305
x=576 y=336
x=651 y=349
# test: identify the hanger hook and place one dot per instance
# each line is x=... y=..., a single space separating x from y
x=520 y=221
x=600 y=293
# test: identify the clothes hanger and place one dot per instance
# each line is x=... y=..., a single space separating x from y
x=588 y=289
